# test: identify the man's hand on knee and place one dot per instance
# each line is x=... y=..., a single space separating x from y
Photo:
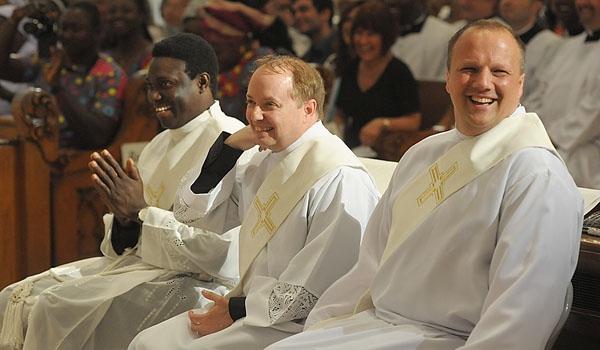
x=216 y=319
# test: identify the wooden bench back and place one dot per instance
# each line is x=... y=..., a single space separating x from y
x=75 y=208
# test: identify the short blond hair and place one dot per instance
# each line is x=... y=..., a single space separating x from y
x=307 y=83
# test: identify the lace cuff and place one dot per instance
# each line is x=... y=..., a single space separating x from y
x=289 y=302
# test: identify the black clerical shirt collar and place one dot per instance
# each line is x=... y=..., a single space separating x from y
x=414 y=27
x=592 y=36
x=530 y=32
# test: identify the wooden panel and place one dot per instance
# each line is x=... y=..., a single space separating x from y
x=77 y=212
x=9 y=253
x=435 y=102
x=33 y=199
x=24 y=212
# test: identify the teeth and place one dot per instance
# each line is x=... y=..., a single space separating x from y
x=263 y=129
x=161 y=109
x=481 y=99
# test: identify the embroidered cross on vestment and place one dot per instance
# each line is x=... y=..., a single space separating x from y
x=264 y=214
x=438 y=180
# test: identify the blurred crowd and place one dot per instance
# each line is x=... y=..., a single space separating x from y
x=372 y=56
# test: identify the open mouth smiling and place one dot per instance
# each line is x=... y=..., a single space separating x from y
x=481 y=100
x=257 y=129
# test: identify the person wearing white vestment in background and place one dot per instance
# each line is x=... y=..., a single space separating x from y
x=422 y=41
x=567 y=98
x=475 y=222
x=541 y=42
x=303 y=203
x=154 y=266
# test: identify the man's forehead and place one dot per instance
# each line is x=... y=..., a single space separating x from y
x=278 y=82
x=487 y=37
x=166 y=65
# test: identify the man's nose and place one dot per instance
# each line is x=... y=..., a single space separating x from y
x=254 y=114
x=483 y=80
x=153 y=95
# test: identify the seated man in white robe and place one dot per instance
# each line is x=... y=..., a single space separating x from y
x=541 y=42
x=567 y=98
x=423 y=39
x=154 y=267
x=474 y=243
x=303 y=203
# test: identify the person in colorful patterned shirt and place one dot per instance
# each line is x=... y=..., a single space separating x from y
x=88 y=86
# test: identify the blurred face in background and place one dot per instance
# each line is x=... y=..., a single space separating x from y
x=172 y=11
x=124 y=17
x=307 y=18
x=520 y=13
x=76 y=33
x=367 y=44
x=472 y=10
x=589 y=13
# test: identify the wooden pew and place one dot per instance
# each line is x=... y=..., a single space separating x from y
x=58 y=213
x=582 y=329
x=24 y=206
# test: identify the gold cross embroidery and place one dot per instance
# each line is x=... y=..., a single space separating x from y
x=264 y=214
x=154 y=196
x=437 y=183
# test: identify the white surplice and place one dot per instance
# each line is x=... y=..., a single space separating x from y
x=539 y=52
x=102 y=303
x=568 y=104
x=488 y=269
x=425 y=52
x=315 y=245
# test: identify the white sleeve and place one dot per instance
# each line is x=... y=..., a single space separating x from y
x=343 y=295
x=106 y=245
x=581 y=125
x=167 y=243
x=218 y=210
x=214 y=211
x=533 y=262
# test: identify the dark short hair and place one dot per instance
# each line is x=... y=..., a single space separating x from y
x=376 y=16
x=486 y=24
x=90 y=9
x=322 y=5
x=198 y=55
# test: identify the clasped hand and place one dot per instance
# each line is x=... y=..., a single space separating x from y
x=120 y=189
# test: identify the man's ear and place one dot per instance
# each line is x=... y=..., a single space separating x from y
x=310 y=109
x=203 y=81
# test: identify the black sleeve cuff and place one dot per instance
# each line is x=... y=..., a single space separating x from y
x=237 y=308
x=124 y=236
x=220 y=159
